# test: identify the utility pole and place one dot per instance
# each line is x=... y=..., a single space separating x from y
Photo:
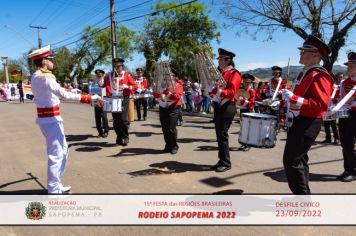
x=38 y=33
x=4 y=62
x=113 y=30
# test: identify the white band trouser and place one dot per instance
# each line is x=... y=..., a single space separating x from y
x=57 y=152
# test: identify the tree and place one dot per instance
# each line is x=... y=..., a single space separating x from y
x=328 y=19
x=14 y=66
x=177 y=32
x=92 y=50
x=63 y=64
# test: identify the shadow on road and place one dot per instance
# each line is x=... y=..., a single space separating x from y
x=179 y=167
x=153 y=125
x=199 y=122
x=280 y=176
x=199 y=127
x=169 y=167
x=213 y=148
x=148 y=172
x=25 y=192
x=144 y=134
x=77 y=138
x=93 y=144
x=192 y=140
x=136 y=151
x=276 y=174
x=230 y=192
x=43 y=190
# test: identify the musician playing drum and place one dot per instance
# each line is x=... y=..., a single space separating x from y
x=308 y=100
x=348 y=125
x=120 y=84
x=247 y=102
x=140 y=93
x=275 y=80
x=225 y=108
x=170 y=103
x=329 y=119
x=101 y=119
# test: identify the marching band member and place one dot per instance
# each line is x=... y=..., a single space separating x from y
x=247 y=103
x=120 y=83
x=47 y=93
x=308 y=100
x=101 y=119
x=273 y=82
x=225 y=110
x=142 y=85
x=169 y=111
x=332 y=122
x=347 y=126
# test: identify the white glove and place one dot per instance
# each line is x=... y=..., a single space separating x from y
x=218 y=92
x=76 y=91
x=124 y=86
x=95 y=97
x=275 y=104
x=139 y=90
x=286 y=94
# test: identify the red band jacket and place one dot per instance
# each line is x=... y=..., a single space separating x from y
x=249 y=103
x=232 y=78
x=345 y=87
x=174 y=97
x=126 y=82
x=312 y=92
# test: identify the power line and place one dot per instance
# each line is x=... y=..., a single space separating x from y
x=73 y=36
x=102 y=20
x=133 y=18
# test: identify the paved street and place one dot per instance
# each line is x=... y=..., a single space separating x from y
x=97 y=165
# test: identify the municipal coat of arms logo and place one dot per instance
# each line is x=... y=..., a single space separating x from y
x=35 y=211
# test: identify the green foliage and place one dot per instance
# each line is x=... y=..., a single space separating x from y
x=177 y=32
x=93 y=50
x=63 y=64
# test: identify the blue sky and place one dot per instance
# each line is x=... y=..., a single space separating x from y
x=64 y=19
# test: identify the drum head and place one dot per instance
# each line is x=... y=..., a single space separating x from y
x=258 y=116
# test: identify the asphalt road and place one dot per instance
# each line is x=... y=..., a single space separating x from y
x=97 y=165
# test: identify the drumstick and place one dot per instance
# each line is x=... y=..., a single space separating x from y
x=276 y=91
x=334 y=92
x=344 y=99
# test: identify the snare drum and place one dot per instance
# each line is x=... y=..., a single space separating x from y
x=342 y=113
x=258 y=130
x=329 y=116
x=112 y=104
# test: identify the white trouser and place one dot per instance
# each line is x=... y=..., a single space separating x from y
x=57 y=151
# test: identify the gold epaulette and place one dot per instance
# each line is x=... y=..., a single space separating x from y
x=46 y=74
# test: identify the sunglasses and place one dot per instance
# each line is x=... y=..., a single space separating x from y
x=308 y=50
x=223 y=58
x=139 y=70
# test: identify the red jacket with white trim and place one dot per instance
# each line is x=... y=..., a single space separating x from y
x=127 y=80
x=312 y=93
x=345 y=87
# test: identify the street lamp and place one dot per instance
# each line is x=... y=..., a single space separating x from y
x=4 y=62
